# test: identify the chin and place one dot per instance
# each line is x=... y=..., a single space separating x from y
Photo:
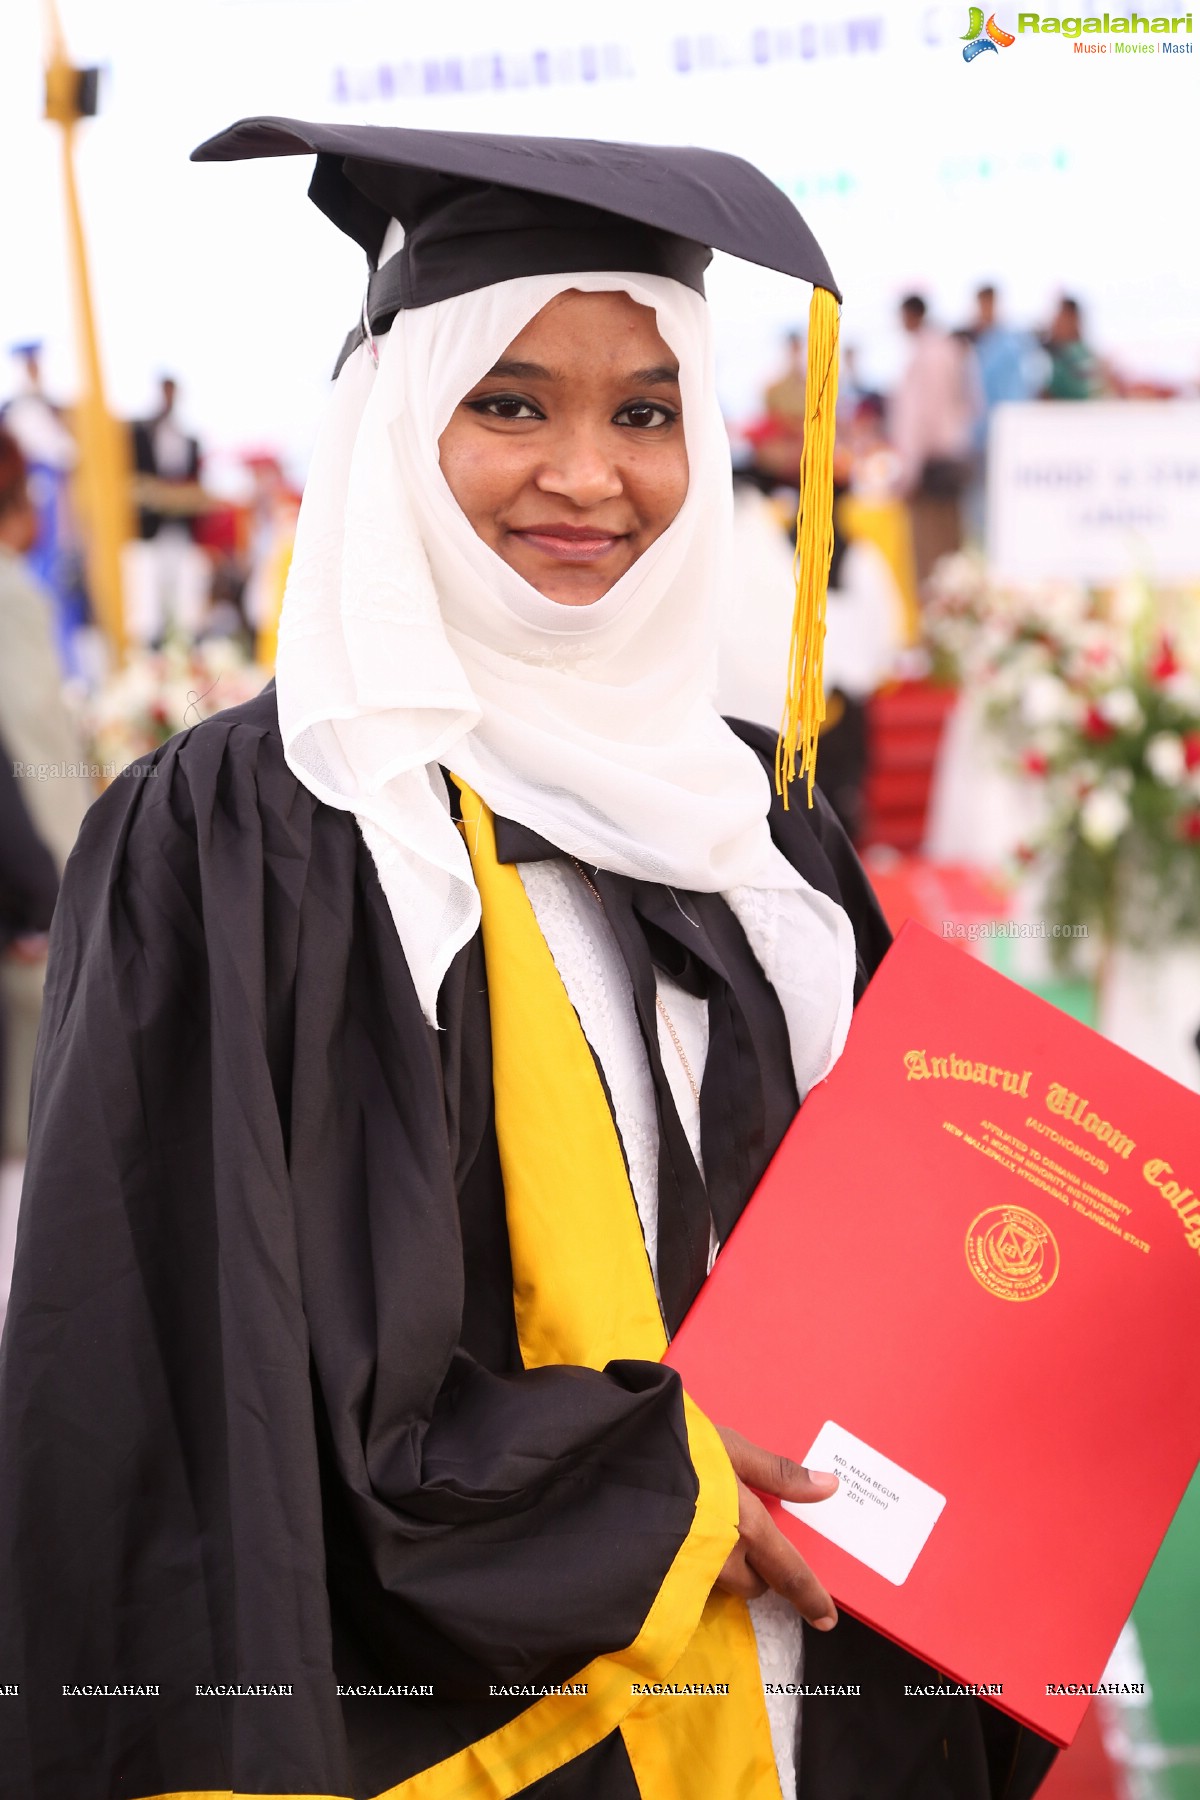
x=566 y=586
x=572 y=596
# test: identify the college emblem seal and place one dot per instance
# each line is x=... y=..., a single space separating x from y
x=1012 y=1253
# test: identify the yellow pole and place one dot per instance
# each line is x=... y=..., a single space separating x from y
x=104 y=464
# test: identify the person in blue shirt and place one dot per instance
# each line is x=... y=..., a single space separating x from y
x=1012 y=366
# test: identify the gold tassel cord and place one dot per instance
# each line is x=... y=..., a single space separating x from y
x=804 y=708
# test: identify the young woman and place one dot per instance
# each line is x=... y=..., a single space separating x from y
x=415 y=1036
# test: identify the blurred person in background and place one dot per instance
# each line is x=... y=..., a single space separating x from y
x=872 y=508
x=43 y=433
x=167 y=573
x=1076 y=372
x=934 y=413
x=777 y=435
x=40 y=734
x=874 y=467
x=1012 y=367
x=868 y=515
x=851 y=391
x=785 y=397
x=33 y=418
x=28 y=889
x=273 y=510
x=221 y=534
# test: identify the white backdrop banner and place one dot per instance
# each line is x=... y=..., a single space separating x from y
x=902 y=157
x=1095 y=490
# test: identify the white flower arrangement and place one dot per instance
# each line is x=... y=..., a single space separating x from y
x=1096 y=696
x=156 y=693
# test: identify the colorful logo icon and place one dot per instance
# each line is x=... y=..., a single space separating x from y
x=974 y=41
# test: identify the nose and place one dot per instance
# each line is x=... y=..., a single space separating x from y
x=580 y=466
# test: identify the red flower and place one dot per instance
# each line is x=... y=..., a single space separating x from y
x=1097 y=727
x=1025 y=853
x=1189 y=826
x=1164 y=662
x=1191 y=749
x=159 y=713
x=1035 y=763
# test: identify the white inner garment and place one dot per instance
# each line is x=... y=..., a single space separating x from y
x=598 y=986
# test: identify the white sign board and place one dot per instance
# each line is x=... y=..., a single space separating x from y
x=1095 y=490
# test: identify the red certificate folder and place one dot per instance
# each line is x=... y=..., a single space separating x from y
x=969 y=1283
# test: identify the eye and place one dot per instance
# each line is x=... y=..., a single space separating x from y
x=646 y=415
x=505 y=406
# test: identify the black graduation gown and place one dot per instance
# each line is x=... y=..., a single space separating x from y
x=263 y=1421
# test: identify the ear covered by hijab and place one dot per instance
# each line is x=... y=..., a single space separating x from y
x=406 y=643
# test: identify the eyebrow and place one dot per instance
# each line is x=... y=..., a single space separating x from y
x=661 y=375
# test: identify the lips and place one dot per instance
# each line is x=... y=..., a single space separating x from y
x=570 y=543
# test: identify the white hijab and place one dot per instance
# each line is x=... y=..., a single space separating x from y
x=406 y=642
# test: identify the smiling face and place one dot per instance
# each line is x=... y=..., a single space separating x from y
x=568 y=458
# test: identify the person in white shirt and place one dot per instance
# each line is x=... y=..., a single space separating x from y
x=933 y=416
x=167 y=575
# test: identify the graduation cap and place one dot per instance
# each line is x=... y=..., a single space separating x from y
x=479 y=208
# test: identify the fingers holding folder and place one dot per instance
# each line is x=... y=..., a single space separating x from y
x=763 y=1558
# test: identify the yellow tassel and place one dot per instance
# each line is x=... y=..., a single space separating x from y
x=804 y=708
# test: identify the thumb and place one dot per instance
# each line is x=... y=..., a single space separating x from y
x=771 y=1473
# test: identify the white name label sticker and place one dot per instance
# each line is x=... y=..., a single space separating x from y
x=880 y=1514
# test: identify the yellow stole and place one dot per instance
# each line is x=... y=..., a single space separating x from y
x=584 y=1293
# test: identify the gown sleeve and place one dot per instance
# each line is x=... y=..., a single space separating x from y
x=242 y=1443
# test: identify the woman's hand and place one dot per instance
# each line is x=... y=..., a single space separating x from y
x=763 y=1558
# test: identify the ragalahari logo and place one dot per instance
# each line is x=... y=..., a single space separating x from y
x=974 y=41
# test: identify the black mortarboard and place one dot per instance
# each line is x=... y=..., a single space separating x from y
x=477 y=209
